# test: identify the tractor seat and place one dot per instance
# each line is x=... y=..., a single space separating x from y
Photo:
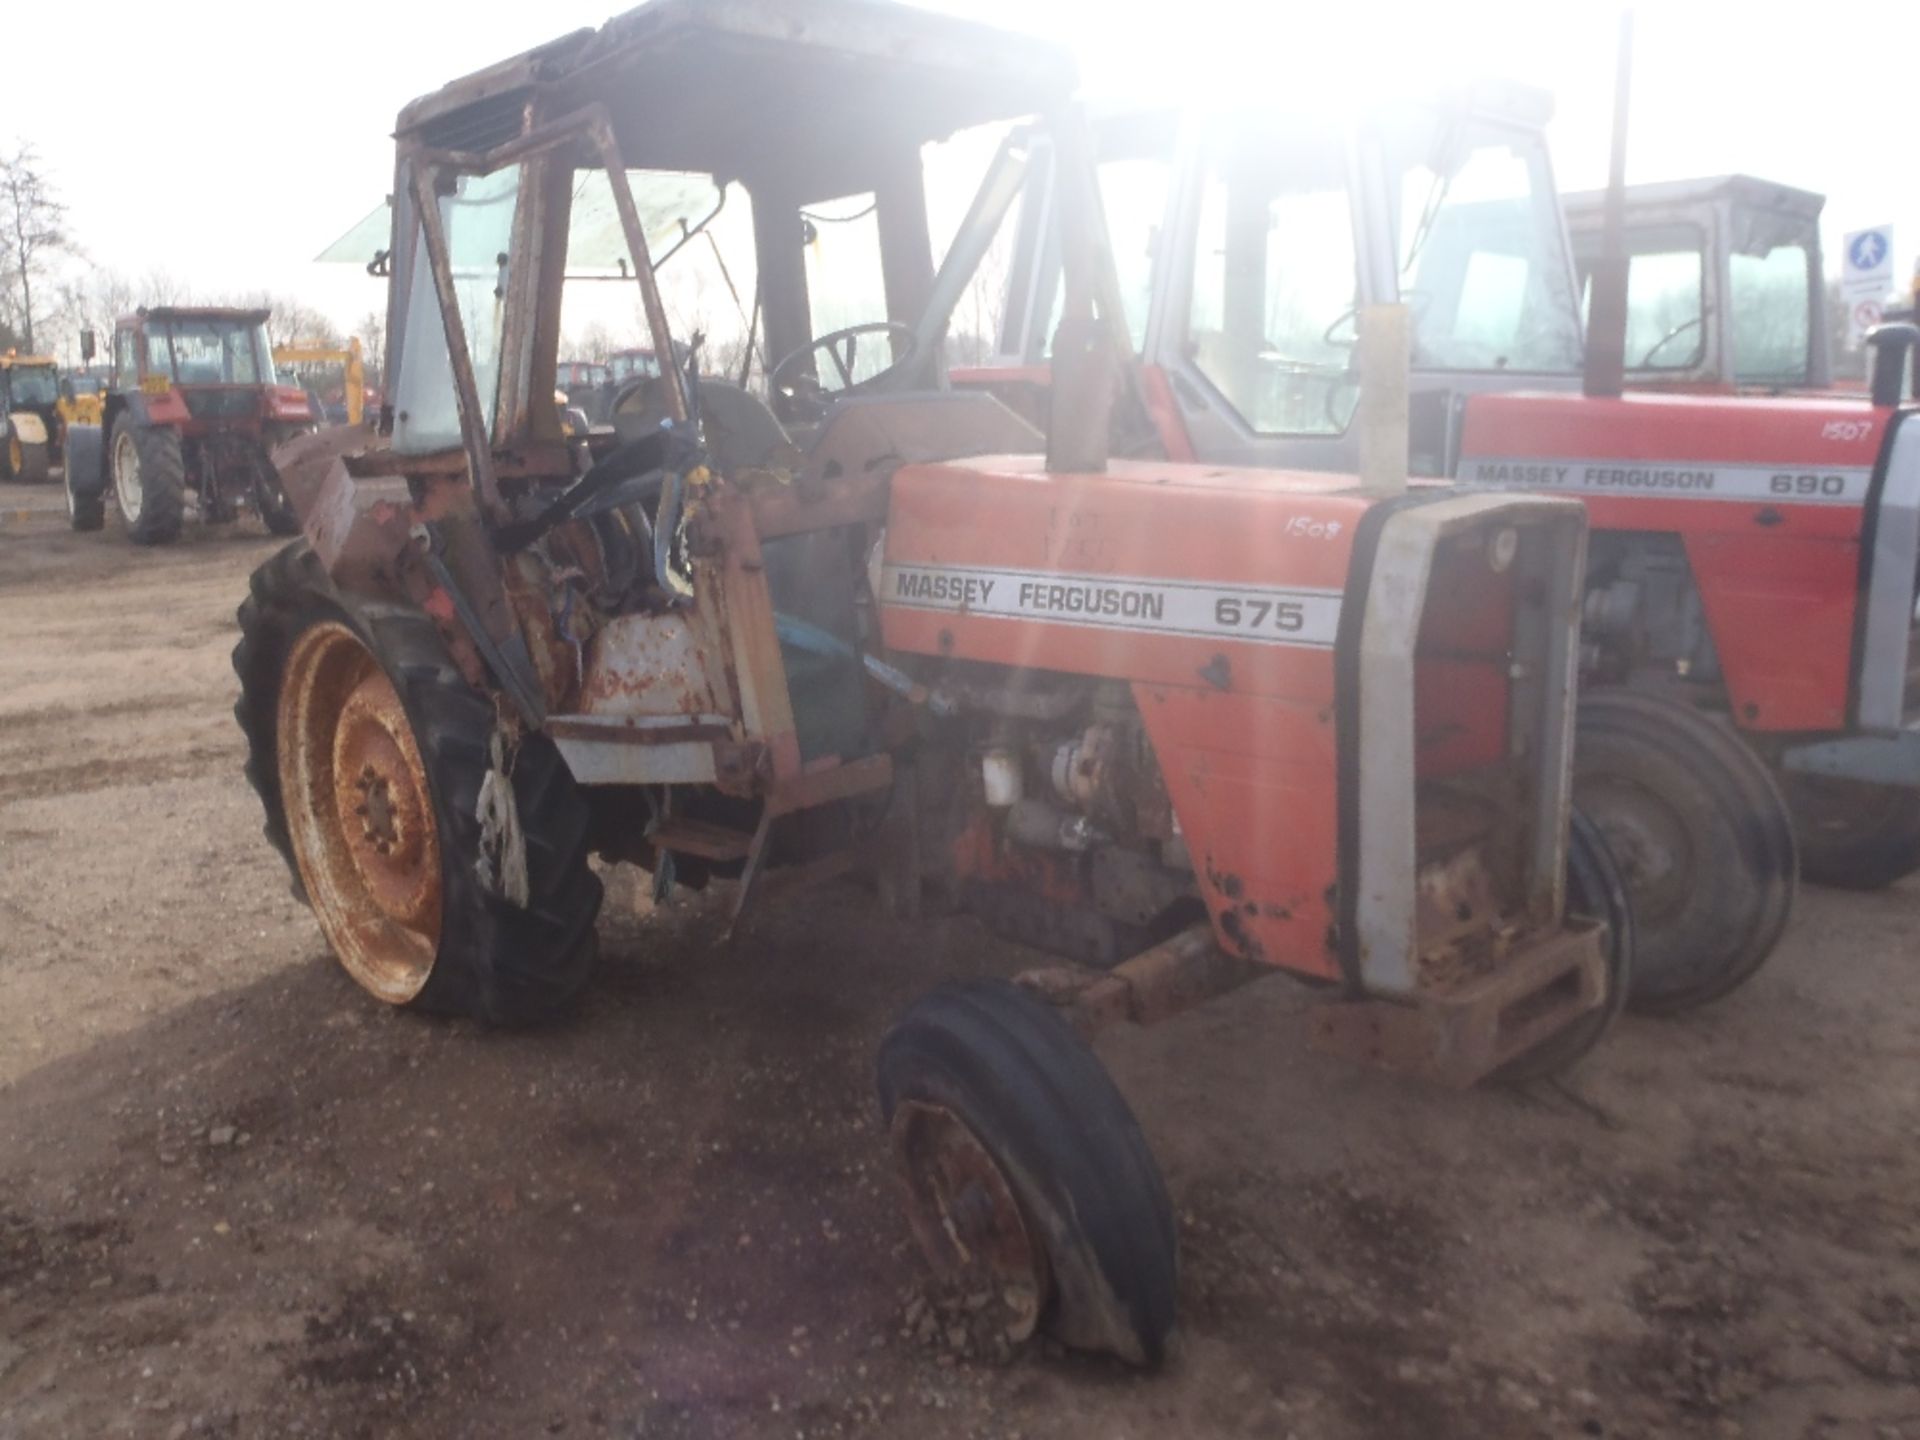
x=740 y=431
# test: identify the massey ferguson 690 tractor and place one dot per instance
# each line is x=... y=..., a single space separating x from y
x=1750 y=588
x=192 y=416
x=1181 y=725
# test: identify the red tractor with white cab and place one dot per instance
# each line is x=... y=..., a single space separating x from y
x=1747 y=710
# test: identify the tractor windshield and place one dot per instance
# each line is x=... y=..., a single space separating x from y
x=1482 y=261
x=1771 y=279
x=1666 y=293
x=33 y=385
x=210 y=351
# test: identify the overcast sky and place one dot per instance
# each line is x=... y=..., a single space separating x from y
x=224 y=143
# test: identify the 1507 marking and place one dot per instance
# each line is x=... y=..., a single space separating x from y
x=1846 y=430
x=1234 y=613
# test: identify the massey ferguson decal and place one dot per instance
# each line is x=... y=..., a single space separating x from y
x=1113 y=602
x=1674 y=479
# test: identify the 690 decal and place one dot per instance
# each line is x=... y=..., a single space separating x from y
x=1827 y=486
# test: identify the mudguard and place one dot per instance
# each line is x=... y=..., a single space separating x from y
x=29 y=427
x=86 y=460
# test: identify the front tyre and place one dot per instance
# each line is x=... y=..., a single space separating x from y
x=149 y=480
x=1596 y=890
x=84 y=512
x=369 y=752
x=1026 y=1174
x=1853 y=834
x=269 y=495
x=1702 y=836
x=31 y=464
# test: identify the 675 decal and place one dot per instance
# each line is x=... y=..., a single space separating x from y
x=1234 y=612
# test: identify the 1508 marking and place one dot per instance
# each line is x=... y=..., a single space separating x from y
x=1307 y=526
x=1233 y=613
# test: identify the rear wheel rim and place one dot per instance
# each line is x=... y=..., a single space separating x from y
x=126 y=477
x=964 y=1215
x=360 y=812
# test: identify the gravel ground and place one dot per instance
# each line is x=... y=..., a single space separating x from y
x=237 y=1198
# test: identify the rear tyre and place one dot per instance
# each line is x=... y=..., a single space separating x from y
x=1596 y=890
x=1027 y=1176
x=1702 y=836
x=1854 y=835
x=149 y=480
x=369 y=752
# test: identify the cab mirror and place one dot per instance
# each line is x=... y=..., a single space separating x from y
x=86 y=347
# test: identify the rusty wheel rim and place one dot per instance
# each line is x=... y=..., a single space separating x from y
x=360 y=812
x=964 y=1215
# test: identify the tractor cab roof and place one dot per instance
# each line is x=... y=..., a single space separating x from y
x=196 y=312
x=809 y=91
x=1740 y=189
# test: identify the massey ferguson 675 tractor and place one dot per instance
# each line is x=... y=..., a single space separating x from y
x=1750 y=588
x=192 y=416
x=1181 y=725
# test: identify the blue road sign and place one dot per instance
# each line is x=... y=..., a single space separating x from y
x=1868 y=250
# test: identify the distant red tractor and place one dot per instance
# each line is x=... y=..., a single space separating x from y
x=191 y=418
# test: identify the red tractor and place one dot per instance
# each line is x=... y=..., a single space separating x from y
x=1749 y=601
x=1726 y=290
x=192 y=416
x=1180 y=725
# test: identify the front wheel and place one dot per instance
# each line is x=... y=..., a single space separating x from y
x=375 y=762
x=269 y=494
x=1701 y=834
x=84 y=512
x=31 y=464
x=1596 y=890
x=1854 y=835
x=1027 y=1177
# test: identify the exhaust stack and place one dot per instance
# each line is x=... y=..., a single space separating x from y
x=1606 y=372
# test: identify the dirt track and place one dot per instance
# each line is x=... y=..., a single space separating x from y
x=238 y=1198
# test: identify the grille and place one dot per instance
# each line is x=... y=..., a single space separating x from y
x=221 y=404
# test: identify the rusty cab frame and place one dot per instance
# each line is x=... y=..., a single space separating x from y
x=673 y=86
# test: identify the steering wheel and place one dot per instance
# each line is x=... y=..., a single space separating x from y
x=1418 y=302
x=1645 y=362
x=1340 y=380
x=799 y=390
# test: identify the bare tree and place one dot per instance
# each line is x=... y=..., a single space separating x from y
x=33 y=225
x=93 y=301
x=372 y=335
